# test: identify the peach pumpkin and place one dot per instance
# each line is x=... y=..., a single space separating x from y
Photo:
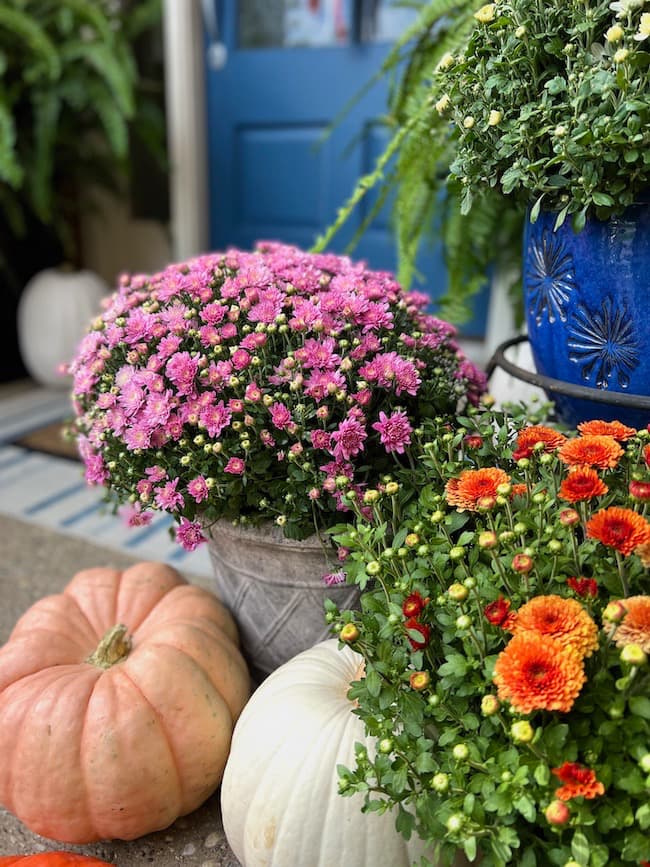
x=118 y=698
x=52 y=859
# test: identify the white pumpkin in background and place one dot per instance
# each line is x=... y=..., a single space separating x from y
x=279 y=797
x=55 y=309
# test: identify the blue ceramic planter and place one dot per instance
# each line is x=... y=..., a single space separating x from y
x=587 y=301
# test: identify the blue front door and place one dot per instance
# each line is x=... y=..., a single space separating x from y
x=290 y=69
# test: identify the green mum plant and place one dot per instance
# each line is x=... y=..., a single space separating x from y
x=551 y=105
x=505 y=629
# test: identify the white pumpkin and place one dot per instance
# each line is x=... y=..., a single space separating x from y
x=279 y=796
x=55 y=309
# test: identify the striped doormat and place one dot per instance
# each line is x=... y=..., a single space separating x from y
x=50 y=491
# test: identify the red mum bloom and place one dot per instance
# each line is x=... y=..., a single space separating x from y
x=578 y=782
x=591 y=451
x=422 y=628
x=413 y=605
x=583 y=586
x=640 y=491
x=621 y=529
x=614 y=429
x=583 y=483
x=496 y=612
x=471 y=486
x=530 y=436
x=646 y=454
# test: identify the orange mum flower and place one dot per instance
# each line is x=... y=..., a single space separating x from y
x=530 y=436
x=536 y=672
x=472 y=485
x=565 y=620
x=578 y=782
x=621 y=529
x=646 y=454
x=520 y=489
x=614 y=429
x=582 y=483
x=635 y=626
x=591 y=451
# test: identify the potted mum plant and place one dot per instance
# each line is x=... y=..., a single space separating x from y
x=551 y=108
x=505 y=627
x=243 y=389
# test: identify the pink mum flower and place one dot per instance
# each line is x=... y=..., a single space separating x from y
x=189 y=534
x=168 y=498
x=280 y=415
x=198 y=489
x=348 y=439
x=394 y=431
x=235 y=466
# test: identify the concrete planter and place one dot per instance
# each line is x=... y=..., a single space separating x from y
x=273 y=587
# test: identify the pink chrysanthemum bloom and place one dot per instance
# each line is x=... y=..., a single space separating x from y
x=189 y=534
x=394 y=431
x=348 y=439
x=235 y=467
x=198 y=489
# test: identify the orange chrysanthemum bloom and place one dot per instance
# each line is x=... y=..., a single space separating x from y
x=519 y=489
x=578 y=782
x=635 y=626
x=536 y=672
x=472 y=485
x=565 y=620
x=643 y=551
x=646 y=454
x=591 y=451
x=614 y=429
x=530 y=436
x=582 y=483
x=621 y=529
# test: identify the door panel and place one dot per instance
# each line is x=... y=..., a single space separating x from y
x=283 y=157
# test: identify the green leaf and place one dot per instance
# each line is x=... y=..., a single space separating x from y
x=642 y=816
x=602 y=199
x=580 y=848
x=424 y=763
x=542 y=775
x=373 y=682
x=640 y=706
x=469 y=847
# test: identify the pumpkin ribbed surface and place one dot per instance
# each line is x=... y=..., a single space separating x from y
x=279 y=795
x=99 y=752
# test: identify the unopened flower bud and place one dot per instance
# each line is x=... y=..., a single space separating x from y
x=634 y=654
x=557 y=813
x=458 y=592
x=522 y=732
x=440 y=782
x=490 y=705
x=460 y=752
x=522 y=563
x=488 y=539
x=569 y=517
x=349 y=633
x=614 y=612
x=419 y=680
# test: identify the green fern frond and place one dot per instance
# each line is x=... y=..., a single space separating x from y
x=46 y=108
x=23 y=27
x=102 y=59
x=145 y=15
x=11 y=171
x=88 y=12
x=113 y=122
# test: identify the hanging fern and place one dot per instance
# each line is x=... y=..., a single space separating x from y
x=414 y=166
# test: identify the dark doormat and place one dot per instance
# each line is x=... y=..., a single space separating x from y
x=51 y=439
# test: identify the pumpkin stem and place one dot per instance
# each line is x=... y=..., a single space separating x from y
x=114 y=647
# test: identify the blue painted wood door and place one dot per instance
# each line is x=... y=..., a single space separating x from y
x=278 y=169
